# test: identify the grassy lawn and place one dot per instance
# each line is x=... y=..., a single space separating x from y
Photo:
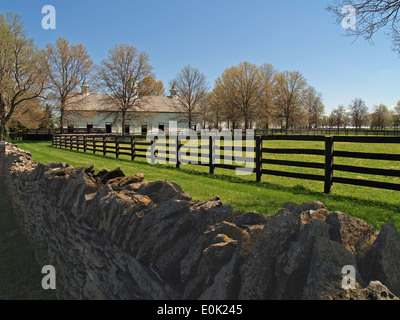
x=375 y=206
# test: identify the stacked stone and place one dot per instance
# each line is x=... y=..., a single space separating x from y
x=115 y=237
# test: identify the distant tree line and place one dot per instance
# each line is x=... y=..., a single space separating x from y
x=38 y=87
x=357 y=116
x=250 y=96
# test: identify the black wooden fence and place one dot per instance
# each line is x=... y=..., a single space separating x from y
x=138 y=147
x=330 y=131
x=47 y=134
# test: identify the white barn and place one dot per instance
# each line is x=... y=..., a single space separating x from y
x=153 y=113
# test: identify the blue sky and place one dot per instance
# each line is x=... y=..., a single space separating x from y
x=216 y=34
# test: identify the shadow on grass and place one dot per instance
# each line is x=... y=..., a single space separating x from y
x=20 y=274
x=298 y=189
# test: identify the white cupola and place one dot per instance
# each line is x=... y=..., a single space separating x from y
x=85 y=88
x=174 y=91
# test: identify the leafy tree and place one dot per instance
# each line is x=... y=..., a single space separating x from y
x=47 y=120
x=149 y=86
x=68 y=66
x=219 y=108
x=241 y=89
x=17 y=128
x=29 y=113
x=22 y=69
x=213 y=114
x=381 y=117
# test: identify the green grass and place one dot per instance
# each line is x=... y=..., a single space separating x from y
x=375 y=206
x=20 y=275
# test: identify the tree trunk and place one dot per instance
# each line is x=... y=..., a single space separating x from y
x=3 y=119
x=2 y=131
x=123 y=122
x=62 y=111
x=287 y=125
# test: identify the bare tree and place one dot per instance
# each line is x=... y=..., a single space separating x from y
x=119 y=77
x=68 y=66
x=372 y=15
x=290 y=96
x=22 y=69
x=396 y=115
x=314 y=107
x=267 y=103
x=358 y=112
x=192 y=87
x=339 y=117
x=213 y=113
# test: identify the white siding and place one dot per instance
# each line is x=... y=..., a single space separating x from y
x=80 y=119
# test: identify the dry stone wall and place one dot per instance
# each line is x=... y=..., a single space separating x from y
x=115 y=237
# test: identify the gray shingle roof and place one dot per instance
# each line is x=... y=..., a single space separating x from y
x=94 y=102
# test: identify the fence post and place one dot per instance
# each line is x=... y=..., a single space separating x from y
x=329 y=149
x=259 y=145
x=133 y=148
x=177 y=148
x=117 y=147
x=104 y=146
x=211 y=154
x=94 y=144
x=84 y=143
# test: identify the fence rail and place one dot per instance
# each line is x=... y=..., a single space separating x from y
x=331 y=131
x=210 y=155
x=47 y=134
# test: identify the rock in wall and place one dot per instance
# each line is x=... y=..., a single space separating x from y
x=115 y=237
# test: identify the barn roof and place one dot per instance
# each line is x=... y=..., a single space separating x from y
x=95 y=102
